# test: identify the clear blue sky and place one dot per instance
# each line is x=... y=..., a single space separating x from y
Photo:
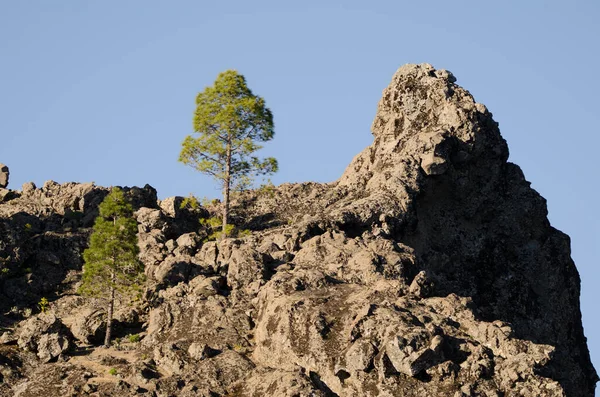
x=104 y=90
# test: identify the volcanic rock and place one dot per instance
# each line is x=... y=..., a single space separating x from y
x=428 y=269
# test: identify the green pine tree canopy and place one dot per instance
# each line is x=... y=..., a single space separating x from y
x=229 y=122
x=111 y=260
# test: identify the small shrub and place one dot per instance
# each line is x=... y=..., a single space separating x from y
x=190 y=202
x=214 y=229
x=27 y=312
x=43 y=304
x=213 y=225
x=113 y=371
x=243 y=233
x=238 y=347
x=213 y=222
x=134 y=338
x=267 y=189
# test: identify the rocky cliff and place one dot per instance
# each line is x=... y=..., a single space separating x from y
x=428 y=269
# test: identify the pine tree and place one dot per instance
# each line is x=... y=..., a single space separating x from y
x=111 y=265
x=229 y=121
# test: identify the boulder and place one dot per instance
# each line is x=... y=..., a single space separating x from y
x=50 y=346
x=187 y=244
x=207 y=286
x=150 y=218
x=171 y=357
x=413 y=352
x=7 y=195
x=44 y=335
x=246 y=268
x=4 y=174
x=201 y=351
x=175 y=269
x=28 y=188
x=421 y=285
x=89 y=326
x=171 y=206
x=359 y=356
x=141 y=197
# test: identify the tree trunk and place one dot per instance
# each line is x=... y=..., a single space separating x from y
x=109 y=316
x=226 y=188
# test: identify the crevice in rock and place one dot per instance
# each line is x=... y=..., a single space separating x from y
x=318 y=383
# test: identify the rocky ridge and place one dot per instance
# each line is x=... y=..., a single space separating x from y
x=428 y=269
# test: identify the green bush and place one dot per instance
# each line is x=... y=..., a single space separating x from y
x=113 y=371
x=134 y=338
x=190 y=202
x=214 y=224
x=243 y=233
x=267 y=189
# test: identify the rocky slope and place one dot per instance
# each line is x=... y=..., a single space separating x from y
x=428 y=269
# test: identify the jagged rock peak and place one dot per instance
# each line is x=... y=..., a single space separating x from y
x=421 y=116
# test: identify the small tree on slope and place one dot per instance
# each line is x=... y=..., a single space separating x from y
x=111 y=264
x=229 y=121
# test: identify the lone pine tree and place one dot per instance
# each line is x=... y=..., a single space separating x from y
x=229 y=122
x=111 y=264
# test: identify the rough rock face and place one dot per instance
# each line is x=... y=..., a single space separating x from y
x=428 y=269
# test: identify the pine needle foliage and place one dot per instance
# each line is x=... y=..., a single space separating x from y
x=229 y=123
x=111 y=264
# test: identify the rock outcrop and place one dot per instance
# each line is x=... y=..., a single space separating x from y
x=428 y=269
x=4 y=174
